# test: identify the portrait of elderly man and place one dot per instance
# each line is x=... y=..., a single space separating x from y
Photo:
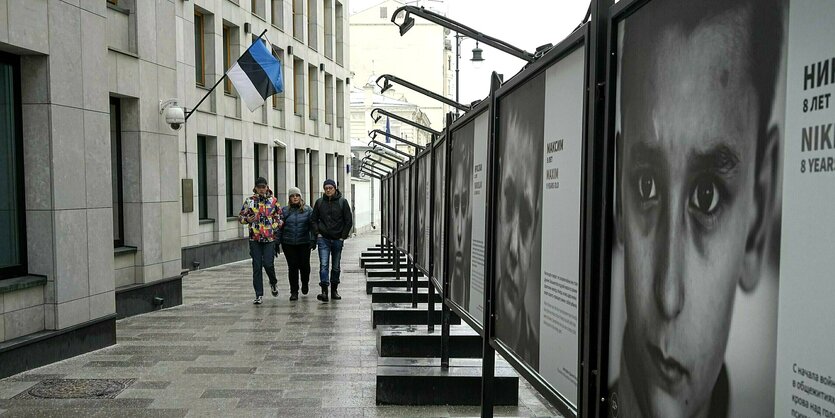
x=519 y=219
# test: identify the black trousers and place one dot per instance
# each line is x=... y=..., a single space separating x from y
x=298 y=261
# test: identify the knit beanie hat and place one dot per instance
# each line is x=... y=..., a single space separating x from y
x=260 y=181
x=329 y=181
x=294 y=190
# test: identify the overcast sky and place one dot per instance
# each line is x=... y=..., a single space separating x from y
x=525 y=24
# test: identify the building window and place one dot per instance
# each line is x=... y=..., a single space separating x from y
x=329 y=29
x=12 y=209
x=340 y=32
x=278 y=14
x=258 y=8
x=298 y=87
x=384 y=14
x=279 y=170
x=202 y=179
x=298 y=19
x=199 y=50
x=340 y=103
x=116 y=172
x=227 y=57
x=312 y=22
x=256 y=162
x=230 y=178
x=313 y=93
x=328 y=99
x=278 y=98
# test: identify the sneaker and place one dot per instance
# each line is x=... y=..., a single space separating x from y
x=257 y=300
x=294 y=296
x=274 y=289
x=305 y=289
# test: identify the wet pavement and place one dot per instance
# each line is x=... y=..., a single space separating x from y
x=220 y=355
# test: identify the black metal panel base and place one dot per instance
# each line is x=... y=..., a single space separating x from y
x=387 y=272
x=366 y=262
x=143 y=298
x=215 y=253
x=403 y=381
x=401 y=295
x=417 y=341
x=405 y=314
x=372 y=282
x=375 y=253
x=42 y=348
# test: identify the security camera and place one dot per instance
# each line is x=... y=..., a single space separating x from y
x=174 y=114
x=175 y=117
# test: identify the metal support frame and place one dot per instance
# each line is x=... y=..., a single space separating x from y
x=411 y=86
x=383 y=155
x=488 y=356
x=445 y=312
x=454 y=26
x=386 y=113
x=380 y=144
x=430 y=291
x=373 y=163
x=414 y=172
x=376 y=132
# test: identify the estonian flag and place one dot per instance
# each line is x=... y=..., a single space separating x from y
x=256 y=75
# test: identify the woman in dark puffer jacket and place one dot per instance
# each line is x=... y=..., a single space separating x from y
x=297 y=241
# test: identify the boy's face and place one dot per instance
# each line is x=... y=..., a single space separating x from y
x=687 y=184
x=461 y=212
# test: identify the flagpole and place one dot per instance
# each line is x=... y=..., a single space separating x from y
x=188 y=114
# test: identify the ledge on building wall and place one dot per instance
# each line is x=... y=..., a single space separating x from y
x=124 y=250
x=19 y=283
x=231 y=218
x=207 y=221
x=123 y=52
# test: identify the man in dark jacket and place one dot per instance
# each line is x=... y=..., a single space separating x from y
x=332 y=222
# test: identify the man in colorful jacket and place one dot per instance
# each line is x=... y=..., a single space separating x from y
x=262 y=213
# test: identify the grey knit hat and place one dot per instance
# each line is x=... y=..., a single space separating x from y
x=294 y=190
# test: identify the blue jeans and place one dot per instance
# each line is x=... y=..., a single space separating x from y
x=263 y=256
x=330 y=253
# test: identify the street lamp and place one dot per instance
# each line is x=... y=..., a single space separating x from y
x=463 y=31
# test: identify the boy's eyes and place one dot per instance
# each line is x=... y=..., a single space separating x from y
x=705 y=196
x=646 y=187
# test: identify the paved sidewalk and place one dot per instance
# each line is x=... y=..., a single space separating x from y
x=220 y=355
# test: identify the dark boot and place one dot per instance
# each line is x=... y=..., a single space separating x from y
x=334 y=293
x=304 y=288
x=324 y=295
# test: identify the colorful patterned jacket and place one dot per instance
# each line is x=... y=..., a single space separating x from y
x=267 y=212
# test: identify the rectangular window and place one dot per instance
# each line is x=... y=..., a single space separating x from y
x=202 y=179
x=340 y=32
x=278 y=98
x=199 y=50
x=328 y=99
x=258 y=8
x=298 y=19
x=227 y=57
x=278 y=14
x=313 y=93
x=312 y=23
x=340 y=103
x=12 y=209
x=230 y=178
x=116 y=172
x=329 y=29
x=298 y=86
x=279 y=170
x=256 y=162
